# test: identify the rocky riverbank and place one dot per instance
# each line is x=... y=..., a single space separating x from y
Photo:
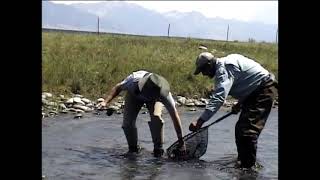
x=53 y=105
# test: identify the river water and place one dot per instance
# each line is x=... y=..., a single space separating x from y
x=91 y=148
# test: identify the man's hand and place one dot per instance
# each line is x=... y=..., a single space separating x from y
x=193 y=126
x=196 y=125
x=182 y=146
x=181 y=151
x=102 y=105
x=236 y=108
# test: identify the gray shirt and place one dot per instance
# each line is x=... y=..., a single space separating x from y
x=130 y=84
x=235 y=75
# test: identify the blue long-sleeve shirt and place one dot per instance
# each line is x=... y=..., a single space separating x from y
x=235 y=75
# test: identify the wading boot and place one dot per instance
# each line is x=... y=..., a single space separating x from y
x=132 y=140
x=156 y=128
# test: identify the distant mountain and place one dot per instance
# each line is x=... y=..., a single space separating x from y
x=122 y=17
x=60 y=16
x=127 y=18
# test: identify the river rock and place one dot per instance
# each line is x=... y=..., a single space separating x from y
x=85 y=100
x=62 y=106
x=51 y=104
x=190 y=104
x=119 y=111
x=72 y=109
x=115 y=108
x=181 y=100
x=78 y=116
x=69 y=101
x=44 y=101
x=90 y=105
x=53 y=112
x=204 y=101
x=47 y=95
x=188 y=101
x=119 y=105
x=65 y=111
x=78 y=96
x=199 y=103
x=79 y=111
x=96 y=112
x=84 y=108
x=100 y=100
x=120 y=99
x=78 y=100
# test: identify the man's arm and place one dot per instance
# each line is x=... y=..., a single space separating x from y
x=223 y=85
x=169 y=103
x=115 y=91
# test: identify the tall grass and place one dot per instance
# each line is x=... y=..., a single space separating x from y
x=91 y=64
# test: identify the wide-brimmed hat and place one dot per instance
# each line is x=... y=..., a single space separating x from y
x=154 y=85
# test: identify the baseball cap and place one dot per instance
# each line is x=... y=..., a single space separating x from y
x=202 y=60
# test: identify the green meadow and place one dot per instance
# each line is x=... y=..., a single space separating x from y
x=91 y=64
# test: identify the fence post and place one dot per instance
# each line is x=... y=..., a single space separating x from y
x=277 y=37
x=98 y=25
x=228 y=33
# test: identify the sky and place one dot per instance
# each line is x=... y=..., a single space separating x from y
x=257 y=11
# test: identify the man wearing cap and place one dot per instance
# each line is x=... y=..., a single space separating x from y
x=254 y=88
x=153 y=90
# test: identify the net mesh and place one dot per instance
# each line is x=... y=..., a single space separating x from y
x=196 y=145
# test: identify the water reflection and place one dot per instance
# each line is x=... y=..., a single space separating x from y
x=137 y=167
x=228 y=165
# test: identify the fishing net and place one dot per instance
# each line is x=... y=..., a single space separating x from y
x=196 y=145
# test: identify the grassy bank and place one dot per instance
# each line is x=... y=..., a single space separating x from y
x=90 y=64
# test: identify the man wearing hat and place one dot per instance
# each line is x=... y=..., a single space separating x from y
x=254 y=88
x=153 y=90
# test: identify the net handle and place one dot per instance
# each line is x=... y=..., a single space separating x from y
x=203 y=128
x=218 y=120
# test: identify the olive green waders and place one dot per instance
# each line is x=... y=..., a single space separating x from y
x=255 y=111
x=131 y=110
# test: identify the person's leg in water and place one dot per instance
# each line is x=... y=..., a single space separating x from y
x=156 y=127
x=253 y=117
x=131 y=109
